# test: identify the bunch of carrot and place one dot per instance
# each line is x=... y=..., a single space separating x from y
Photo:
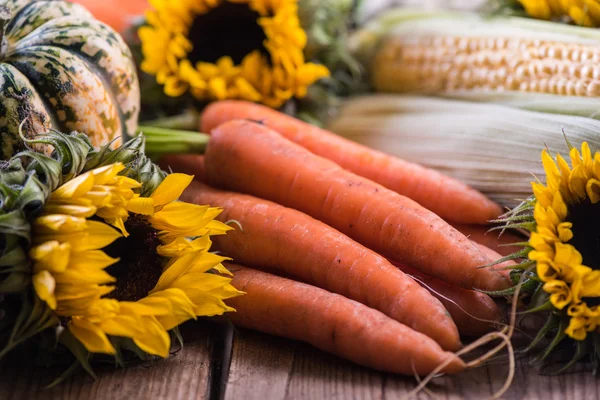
x=318 y=209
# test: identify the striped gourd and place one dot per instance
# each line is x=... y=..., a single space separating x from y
x=62 y=69
x=525 y=63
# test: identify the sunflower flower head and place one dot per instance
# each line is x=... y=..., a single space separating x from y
x=228 y=49
x=563 y=251
x=579 y=12
x=109 y=252
x=565 y=242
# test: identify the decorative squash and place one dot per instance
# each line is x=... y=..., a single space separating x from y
x=62 y=69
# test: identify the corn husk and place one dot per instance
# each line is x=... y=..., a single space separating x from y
x=368 y=9
x=494 y=148
x=520 y=74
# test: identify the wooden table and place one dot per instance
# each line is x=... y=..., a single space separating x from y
x=222 y=362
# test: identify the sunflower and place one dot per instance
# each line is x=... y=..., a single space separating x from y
x=130 y=296
x=112 y=253
x=565 y=242
x=580 y=12
x=228 y=49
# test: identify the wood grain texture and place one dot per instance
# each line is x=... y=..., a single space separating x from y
x=187 y=374
x=265 y=367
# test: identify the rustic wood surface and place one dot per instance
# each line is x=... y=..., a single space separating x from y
x=221 y=362
x=187 y=374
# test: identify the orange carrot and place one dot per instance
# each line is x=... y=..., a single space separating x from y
x=250 y=158
x=191 y=164
x=492 y=239
x=291 y=243
x=334 y=324
x=492 y=255
x=118 y=14
x=445 y=196
x=474 y=313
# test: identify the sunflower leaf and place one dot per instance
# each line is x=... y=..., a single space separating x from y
x=560 y=335
x=551 y=323
x=582 y=351
x=78 y=350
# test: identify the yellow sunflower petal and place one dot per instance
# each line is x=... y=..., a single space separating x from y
x=566 y=254
x=141 y=205
x=59 y=223
x=95 y=276
x=592 y=188
x=222 y=270
x=576 y=328
x=52 y=256
x=103 y=175
x=564 y=230
x=74 y=188
x=208 y=305
x=44 y=285
x=591 y=285
x=91 y=336
x=122 y=325
x=171 y=188
x=91 y=259
x=70 y=209
x=560 y=294
x=182 y=309
x=176 y=248
x=155 y=339
x=82 y=293
x=201 y=281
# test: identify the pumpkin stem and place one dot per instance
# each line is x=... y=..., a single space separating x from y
x=161 y=141
x=4 y=20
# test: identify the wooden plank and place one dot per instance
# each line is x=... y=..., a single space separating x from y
x=265 y=367
x=187 y=374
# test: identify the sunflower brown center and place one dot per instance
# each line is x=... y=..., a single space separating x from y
x=230 y=29
x=139 y=267
x=585 y=218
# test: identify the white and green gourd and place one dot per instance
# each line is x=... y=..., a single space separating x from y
x=62 y=69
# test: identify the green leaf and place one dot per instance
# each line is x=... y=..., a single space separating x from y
x=78 y=350
x=539 y=297
x=582 y=351
x=560 y=335
x=551 y=323
x=67 y=373
x=15 y=282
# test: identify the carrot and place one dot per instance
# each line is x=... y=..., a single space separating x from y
x=291 y=243
x=492 y=255
x=492 y=239
x=251 y=158
x=445 y=196
x=118 y=14
x=191 y=164
x=474 y=313
x=333 y=323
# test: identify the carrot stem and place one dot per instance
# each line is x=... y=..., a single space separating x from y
x=188 y=120
x=161 y=141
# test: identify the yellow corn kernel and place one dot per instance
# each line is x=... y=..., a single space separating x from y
x=432 y=64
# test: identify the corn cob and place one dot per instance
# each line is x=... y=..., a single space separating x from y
x=519 y=62
x=493 y=148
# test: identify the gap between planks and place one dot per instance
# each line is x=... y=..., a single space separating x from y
x=265 y=367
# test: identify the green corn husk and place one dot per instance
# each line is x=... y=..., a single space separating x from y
x=493 y=148
x=520 y=62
